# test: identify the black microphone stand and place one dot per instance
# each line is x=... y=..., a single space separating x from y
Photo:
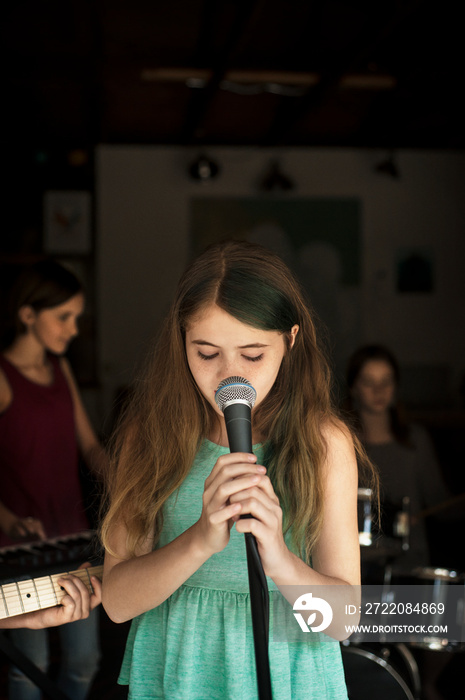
x=259 y=602
x=259 y=597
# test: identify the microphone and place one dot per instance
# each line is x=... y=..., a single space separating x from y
x=236 y=397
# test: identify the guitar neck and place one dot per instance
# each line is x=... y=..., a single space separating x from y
x=37 y=593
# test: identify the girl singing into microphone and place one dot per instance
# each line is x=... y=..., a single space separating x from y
x=175 y=555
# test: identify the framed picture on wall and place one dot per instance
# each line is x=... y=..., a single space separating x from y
x=415 y=270
x=67 y=222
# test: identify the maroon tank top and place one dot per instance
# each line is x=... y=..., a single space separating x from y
x=39 y=454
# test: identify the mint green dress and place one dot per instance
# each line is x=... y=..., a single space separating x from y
x=198 y=644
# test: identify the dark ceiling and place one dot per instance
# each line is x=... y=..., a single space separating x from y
x=265 y=72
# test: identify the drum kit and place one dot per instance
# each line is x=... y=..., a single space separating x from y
x=390 y=671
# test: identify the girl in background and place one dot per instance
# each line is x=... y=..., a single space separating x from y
x=402 y=452
x=43 y=425
x=175 y=555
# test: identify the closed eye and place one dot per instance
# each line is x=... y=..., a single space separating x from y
x=207 y=357
x=253 y=359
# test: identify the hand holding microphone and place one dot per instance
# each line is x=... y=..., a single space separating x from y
x=232 y=473
x=236 y=397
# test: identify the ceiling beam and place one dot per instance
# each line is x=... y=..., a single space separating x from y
x=200 y=77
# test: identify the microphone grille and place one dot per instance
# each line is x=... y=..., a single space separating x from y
x=235 y=389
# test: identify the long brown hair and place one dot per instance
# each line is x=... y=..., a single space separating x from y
x=167 y=416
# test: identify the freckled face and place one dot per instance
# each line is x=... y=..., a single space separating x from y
x=375 y=386
x=55 y=328
x=219 y=346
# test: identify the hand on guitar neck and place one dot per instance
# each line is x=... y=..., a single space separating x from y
x=50 y=601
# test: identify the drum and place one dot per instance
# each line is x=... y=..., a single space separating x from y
x=381 y=542
x=438 y=594
x=395 y=519
x=381 y=671
x=365 y=517
x=395 y=523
